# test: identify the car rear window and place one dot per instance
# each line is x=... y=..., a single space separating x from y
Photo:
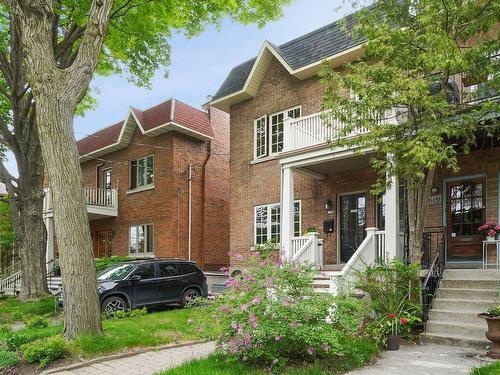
x=185 y=268
x=146 y=271
x=168 y=269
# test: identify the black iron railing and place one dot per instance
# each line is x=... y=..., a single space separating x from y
x=437 y=237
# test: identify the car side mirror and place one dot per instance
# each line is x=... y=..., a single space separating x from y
x=135 y=278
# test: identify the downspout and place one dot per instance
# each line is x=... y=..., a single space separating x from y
x=204 y=203
x=190 y=204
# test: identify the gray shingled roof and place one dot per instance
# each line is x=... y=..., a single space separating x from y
x=304 y=50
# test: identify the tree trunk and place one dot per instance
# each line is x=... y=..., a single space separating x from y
x=82 y=314
x=32 y=239
x=417 y=211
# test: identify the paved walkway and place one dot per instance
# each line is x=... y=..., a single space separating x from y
x=148 y=363
x=423 y=360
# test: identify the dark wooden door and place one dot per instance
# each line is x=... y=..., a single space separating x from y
x=466 y=211
x=352 y=224
x=103 y=244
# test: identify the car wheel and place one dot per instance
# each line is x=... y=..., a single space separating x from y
x=188 y=296
x=113 y=304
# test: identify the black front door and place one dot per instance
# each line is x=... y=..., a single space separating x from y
x=352 y=224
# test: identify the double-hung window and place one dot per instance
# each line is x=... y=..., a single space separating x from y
x=267 y=222
x=269 y=132
x=141 y=172
x=141 y=239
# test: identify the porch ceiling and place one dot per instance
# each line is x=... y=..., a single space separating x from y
x=339 y=165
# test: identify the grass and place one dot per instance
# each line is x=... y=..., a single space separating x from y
x=153 y=329
x=491 y=369
x=13 y=309
x=215 y=365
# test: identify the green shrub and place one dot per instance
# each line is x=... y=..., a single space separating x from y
x=490 y=369
x=271 y=315
x=44 y=351
x=14 y=340
x=494 y=311
x=8 y=359
x=394 y=290
x=37 y=321
x=127 y=313
x=102 y=263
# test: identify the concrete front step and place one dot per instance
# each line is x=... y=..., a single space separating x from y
x=471 y=274
x=470 y=284
x=458 y=317
x=453 y=340
x=463 y=305
x=471 y=294
x=472 y=331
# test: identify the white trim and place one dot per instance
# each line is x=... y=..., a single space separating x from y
x=145 y=253
x=203 y=136
x=266 y=130
x=145 y=186
x=270 y=125
x=268 y=207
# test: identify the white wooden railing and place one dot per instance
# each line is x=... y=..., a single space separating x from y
x=381 y=254
x=11 y=284
x=93 y=197
x=308 y=249
x=318 y=128
x=366 y=255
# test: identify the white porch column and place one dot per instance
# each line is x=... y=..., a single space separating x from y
x=286 y=211
x=49 y=225
x=392 y=241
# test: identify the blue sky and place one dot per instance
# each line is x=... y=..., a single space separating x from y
x=199 y=65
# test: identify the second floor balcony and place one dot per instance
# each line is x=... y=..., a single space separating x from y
x=101 y=203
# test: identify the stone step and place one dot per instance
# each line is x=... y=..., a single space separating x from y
x=463 y=305
x=472 y=294
x=470 y=284
x=453 y=340
x=472 y=331
x=457 y=317
x=471 y=274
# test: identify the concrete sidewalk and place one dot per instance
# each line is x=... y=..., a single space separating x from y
x=147 y=363
x=424 y=360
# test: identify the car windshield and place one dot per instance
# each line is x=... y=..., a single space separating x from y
x=115 y=273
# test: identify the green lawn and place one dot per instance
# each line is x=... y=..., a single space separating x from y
x=150 y=330
x=491 y=369
x=215 y=365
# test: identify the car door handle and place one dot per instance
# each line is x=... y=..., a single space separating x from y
x=156 y=282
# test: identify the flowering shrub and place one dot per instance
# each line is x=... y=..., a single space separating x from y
x=271 y=314
x=489 y=229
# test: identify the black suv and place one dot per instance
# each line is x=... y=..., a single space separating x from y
x=150 y=282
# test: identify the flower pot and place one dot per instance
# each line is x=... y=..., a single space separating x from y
x=493 y=334
x=490 y=238
x=393 y=343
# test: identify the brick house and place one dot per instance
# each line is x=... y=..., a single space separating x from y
x=286 y=180
x=157 y=184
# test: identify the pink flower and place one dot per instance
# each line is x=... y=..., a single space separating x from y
x=256 y=300
x=496 y=227
x=225 y=270
x=403 y=321
x=244 y=307
x=392 y=316
x=294 y=324
x=224 y=309
x=277 y=338
x=310 y=350
x=190 y=321
x=238 y=257
x=492 y=233
x=234 y=325
x=247 y=340
x=253 y=321
x=268 y=282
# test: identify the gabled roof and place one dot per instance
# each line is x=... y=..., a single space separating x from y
x=302 y=57
x=166 y=116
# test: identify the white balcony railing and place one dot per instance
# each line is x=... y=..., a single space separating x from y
x=106 y=199
x=317 y=129
x=308 y=248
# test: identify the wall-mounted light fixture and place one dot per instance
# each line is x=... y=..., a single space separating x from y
x=328 y=205
x=434 y=190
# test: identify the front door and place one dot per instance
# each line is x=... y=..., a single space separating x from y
x=352 y=224
x=466 y=211
x=103 y=244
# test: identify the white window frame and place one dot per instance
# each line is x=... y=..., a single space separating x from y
x=268 y=208
x=147 y=228
x=270 y=126
x=145 y=173
x=265 y=141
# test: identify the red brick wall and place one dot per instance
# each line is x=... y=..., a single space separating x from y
x=166 y=206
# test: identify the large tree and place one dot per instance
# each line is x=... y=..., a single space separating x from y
x=63 y=43
x=403 y=91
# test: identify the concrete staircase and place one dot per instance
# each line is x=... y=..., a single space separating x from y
x=462 y=294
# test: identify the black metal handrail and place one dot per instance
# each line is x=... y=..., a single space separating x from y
x=434 y=273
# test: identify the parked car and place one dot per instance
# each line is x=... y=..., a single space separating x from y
x=150 y=282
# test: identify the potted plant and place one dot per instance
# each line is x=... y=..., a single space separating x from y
x=395 y=336
x=492 y=317
x=490 y=230
x=310 y=230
